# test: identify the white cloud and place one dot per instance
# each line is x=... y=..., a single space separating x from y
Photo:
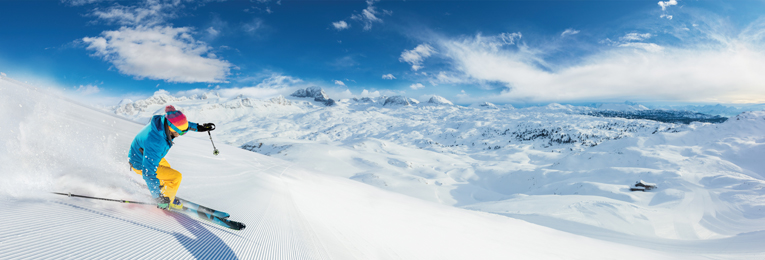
x=568 y=32
x=87 y=89
x=145 y=13
x=337 y=82
x=463 y=95
x=722 y=71
x=266 y=85
x=341 y=25
x=367 y=93
x=81 y=2
x=417 y=55
x=635 y=37
x=369 y=15
x=212 y=32
x=669 y=17
x=159 y=52
x=416 y=86
x=650 y=47
x=388 y=76
x=634 y=40
x=665 y=4
x=254 y=26
x=339 y=93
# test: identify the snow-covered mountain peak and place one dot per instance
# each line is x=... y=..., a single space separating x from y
x=124 y=101
x=556 y=106
x=311 y=92
x=316 y=93
x=397 y=101
x=439 y=100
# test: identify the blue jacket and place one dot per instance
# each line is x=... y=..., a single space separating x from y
x=149 y=147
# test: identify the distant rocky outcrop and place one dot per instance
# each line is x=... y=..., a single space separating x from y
x=316 y=93
x=439 y=100
x=666 y=116
x=484 y=105
x=364 y=100
x=397 y=101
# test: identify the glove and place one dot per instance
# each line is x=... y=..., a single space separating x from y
x=163 y=202
x=205 y=127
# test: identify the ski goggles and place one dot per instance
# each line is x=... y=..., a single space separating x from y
x=175 y=129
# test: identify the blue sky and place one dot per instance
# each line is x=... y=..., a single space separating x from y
x=517 y=52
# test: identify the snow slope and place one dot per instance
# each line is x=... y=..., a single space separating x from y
x=51 y=144
x=507 y=160
x=292 y=212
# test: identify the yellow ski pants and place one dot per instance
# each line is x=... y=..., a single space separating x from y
x=169 y=179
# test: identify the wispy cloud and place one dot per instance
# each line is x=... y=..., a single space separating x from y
x=417 y=55
x=337 y=82
x=266 y=85
x=212 y=32
x=254 y=26
x=367 y=17
x=82 y=2
x=144 y=13
x=159 y=52
x=87 y=89
x=341 y=25
x=388 y=76
x=568 y=32
x=712 y=66
x=417 y=86
x=635 y=36
x=635 y=40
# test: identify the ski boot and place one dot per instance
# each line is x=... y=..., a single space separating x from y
x=176 y=205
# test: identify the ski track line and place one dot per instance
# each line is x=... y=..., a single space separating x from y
x=13 y=245
x=261 y=244
x=55 y=235
x=105 y=238
x=281 y=238
x=319 y=248
x=275 y=243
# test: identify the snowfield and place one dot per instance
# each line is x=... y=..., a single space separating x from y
x=365 y=180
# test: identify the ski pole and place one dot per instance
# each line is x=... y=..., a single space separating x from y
x=97 y=198
x=215 y=150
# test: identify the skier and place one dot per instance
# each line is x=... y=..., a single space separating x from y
x=148 y=150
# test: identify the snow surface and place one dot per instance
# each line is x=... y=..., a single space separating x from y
x=363 y=181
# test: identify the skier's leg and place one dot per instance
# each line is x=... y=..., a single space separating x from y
x=169 y=179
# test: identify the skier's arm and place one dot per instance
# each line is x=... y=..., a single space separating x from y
x=201 y=127
x=193 y=127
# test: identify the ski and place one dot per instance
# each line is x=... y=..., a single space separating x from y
x=211 y=218
x=204 y=209
x=189 y=209
x=194 y=205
